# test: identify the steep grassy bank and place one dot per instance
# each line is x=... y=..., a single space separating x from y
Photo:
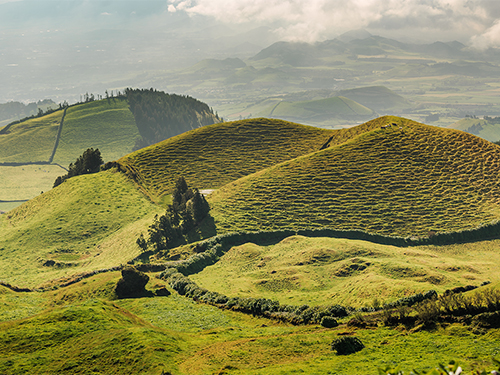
x=88 y=222
x=408 y=179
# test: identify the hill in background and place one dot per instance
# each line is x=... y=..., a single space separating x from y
x=487 y=127
x=12 y=111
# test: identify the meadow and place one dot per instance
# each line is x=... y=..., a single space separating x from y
x=105 y=124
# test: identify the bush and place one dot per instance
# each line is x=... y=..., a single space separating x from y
x=132 y=283
x=329 y=322
x=347 y=345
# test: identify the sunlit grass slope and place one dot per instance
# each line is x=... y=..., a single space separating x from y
x=322 y=271
x=88 y=222
x=105 y=124
x=393 y=181
x=81 y=329
x=214 y=155
x=27 y=181
x=318 y=110
x=30 y=141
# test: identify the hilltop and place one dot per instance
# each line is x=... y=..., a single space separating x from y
x=407 y=179
x=214 y=155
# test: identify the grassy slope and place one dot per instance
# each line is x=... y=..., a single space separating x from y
x=378 y=98
x=322 y=271
x=31 y=140
x=89 y=222
x=318 y=109
x=390 y=181
x=106 y=125
x=214 y=155
x=80 y=329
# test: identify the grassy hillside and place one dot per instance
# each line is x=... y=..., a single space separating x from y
x=318 y=110
x=105 y=124
x=30 y=141
x=395 y=181
x=480 y=127
x=81 y=329
x=89 y=222
x=378 y=98
x=214 y=155
x=322 y=271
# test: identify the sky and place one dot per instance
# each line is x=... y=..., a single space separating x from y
x=58 y=47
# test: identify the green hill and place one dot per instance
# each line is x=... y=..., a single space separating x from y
x=30 y=141
x=87 y=223
x=407 y=181
x=319 y=110
x=104 y=124
x=378 y=98
x=480 y=127
x=214 y=155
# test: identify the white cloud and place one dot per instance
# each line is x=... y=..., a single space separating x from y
x=490 y=38
x=320 y=19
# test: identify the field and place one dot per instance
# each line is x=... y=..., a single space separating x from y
x=25 y=182
x=408 y=179
x=75 y=331
x=105 y=124
x=30 y=141
x=321 y=271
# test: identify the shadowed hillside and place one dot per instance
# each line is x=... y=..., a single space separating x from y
x=407 y=179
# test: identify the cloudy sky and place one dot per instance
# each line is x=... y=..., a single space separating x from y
x=473 y=21
x=55 y=47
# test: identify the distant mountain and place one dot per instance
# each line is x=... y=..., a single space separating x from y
x=378 y=98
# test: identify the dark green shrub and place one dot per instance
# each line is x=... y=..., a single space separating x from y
x=132 y=283
x=329 y=322
x=347 y=345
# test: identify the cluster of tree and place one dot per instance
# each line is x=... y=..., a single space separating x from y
x=492 y=120
x=89 y=162
x=160 y=116
x=188 y=209
x=20 y=110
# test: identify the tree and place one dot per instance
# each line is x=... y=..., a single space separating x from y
x=199 y=206
x=89 y=162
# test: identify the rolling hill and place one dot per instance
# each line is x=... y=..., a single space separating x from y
x=407 y=179
x=480 y=127
x=115 y=126
x=318 y=111
x=214 y=155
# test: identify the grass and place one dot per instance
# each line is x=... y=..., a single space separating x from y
x=318 y=110
x=106 y=125
x=27 y=181
x=88 y=222
x=74 y=331
x=214 y=155
x=479 y=127
x=322 y=271
x=30 y=141
x=388 y=181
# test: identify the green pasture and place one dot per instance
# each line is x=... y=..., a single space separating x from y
x=105 y=124
x=408 y=181
x=323 y=271
x=27 y=181
x=31 y=140
x=89 y=222
x=72 y=330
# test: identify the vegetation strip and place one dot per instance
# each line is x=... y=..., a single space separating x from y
x=58 y=136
